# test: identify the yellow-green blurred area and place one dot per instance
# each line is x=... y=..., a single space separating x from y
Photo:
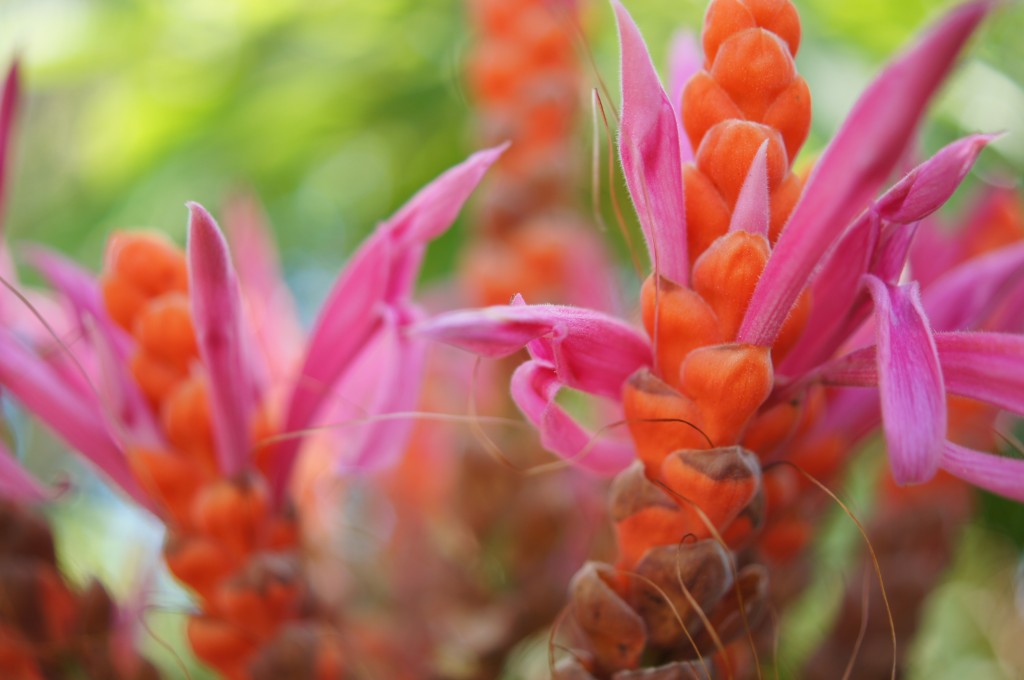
x=335 y=111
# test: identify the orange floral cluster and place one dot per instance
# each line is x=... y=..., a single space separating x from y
x=697 y=420
x=225 y=541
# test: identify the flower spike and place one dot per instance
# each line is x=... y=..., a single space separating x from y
x=649 y=148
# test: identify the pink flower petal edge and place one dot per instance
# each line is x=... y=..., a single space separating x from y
x=534 y=388
x=998 y=474
x=381 y=443
x=685 y=59
x=854 y=166
x=910 y=382
x=649 y=149
x=9 y=101
x=217 y=315
x=590 y=351
x=268 y=302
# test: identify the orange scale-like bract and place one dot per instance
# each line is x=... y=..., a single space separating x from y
x=725 y=276
x=163 y=328
x=185 y=418
x=234 y=512
x=707 y=213
x=660 y=420
x=678 y=321
x=155 y=377
x=753 y=67
x=728 y=149
x=173 y=480
x=725 y=18
x=149 y=263
x=728 y=383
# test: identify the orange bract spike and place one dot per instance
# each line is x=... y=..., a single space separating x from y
x=164 y=329
x=171 y=479
x=728 y=384
x=793 y=327
x=770 y=428
x=728 y=150
x=707 y=213
x=156 y=378
x=721 y=482
x=200 y=563
x=234 y=512
x=185 y=417
x=783 y=200
x=679 y=321
x=725 y=18
x=653 y=526
x=122 y=299
x=646 y=398
x=753 y=67
x=148 y=261
x=725 y=276
x=784 y=539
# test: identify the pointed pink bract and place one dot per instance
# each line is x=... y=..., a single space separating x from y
x=649 y=149
x=752 y=211
x=217 y=315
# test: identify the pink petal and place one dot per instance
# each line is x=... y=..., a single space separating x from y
x=649 y=149
x=429 y=214
x=891 y=253
x=854 y=167
x=381 y=272
x=16 y=484
x=878 y=242
x=79 y=421
x=268 y=301
x=9 y=101
x=1000 y=475
x=929 y=185
x=963 y=297
x=751 y=212
x=120 y=393
x=910 y=382
x=383 y=443
x=534 y=388
x=933 y=252
x=590 y=351
x=349 y=317
x=685 y=59
x=79 y=288
x=217 y=315
x=984 y=366
x=839 y=282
